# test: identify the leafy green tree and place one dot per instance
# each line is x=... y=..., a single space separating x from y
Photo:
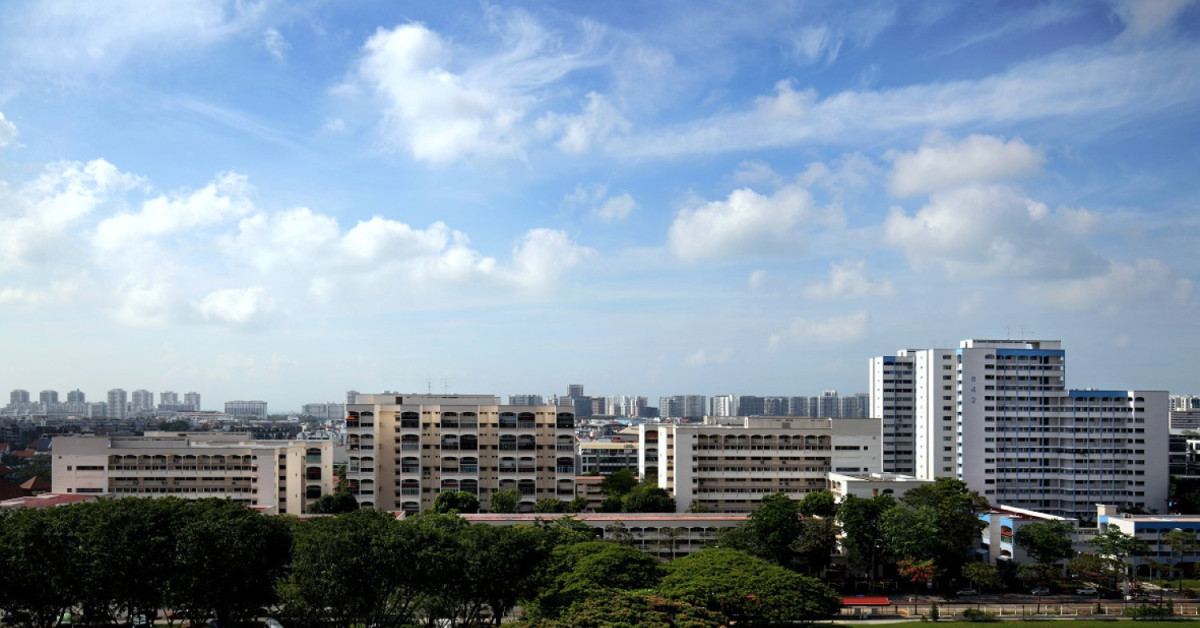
x=40 y=566
x=816 y=544
x=549 y=505
x=1102 y=570
x=1181 y=543
x=504 y=500
x=917 y=572
x=862 y=535
x=614 y=608
x=698 y=507
x=747 y=590
x=982 y=575
x=461 y=502
x=955 y=510
x=228 y=561
x=502 y=565
x=1119 y=547
x=335 y=504
x=1047 y=542
x=579 y=504
x=175 y=425
x=645 y=498
x=819 y=504
x=575 y=571
x=909 y=532
x=775 y=524
x=428 y=565
x=618 y=482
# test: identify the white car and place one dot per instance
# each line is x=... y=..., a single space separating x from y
x=1086 y=591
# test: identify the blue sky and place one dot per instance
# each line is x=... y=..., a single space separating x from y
x=284 y=201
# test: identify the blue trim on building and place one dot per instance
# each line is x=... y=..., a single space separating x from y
x=1035 y=352
x=1091 y=394
x=889 y=359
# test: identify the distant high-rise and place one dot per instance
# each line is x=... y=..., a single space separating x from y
x=525 y=400
x=18 y=396
x=118 y=404
x=254 y=409
x=351 y=396
x=750 y=405
x=168 y=397
x=48 y=397
x=575 y=390
x=775 y=406
x=141 y=399
x=192 y=399
x=723 y=405
x=76 y=396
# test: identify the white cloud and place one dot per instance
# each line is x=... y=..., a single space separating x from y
x=833 y=330
x=706 y=358
x=225 y=198
x=942 y=164
x=599 y=204
x=816 y=43
x=275 y=44
x=59 y=292
x=757 y=279
x=442 y=105
x=61 y=38
x=1124 y=84
x=543 y=256
x=598 y=121
x=1146 y=281
x=993 y=231
x=8 y=132
x=747 y=224
x=754 y=172
x=1144 y=18
x=39 y=220
x=848 y=280
x=237 y=307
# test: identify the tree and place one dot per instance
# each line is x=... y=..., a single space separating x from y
x=982 y=575
x=579 y=504
x=456 y=501
x=1094 y=568
x=228 y=560
x=816 y=544
x=32 y=595
x=955 y=510
x=609 y=608
x=1047 y=541
x=645 y=498
x=343 y=570
x=504 y=500
x=1117 y=547
x=861 y=532
x=502 y=564
x=819 y=504
x=747 y=590
x=917 y=572
x=1181 y=543
x=574 y=571
x=549 y=505
x=908 y=532
x=618 y=482
x=775 y=524
x=335 y=504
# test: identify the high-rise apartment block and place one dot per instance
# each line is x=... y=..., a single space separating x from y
x=730 y=463
x=141 y=400
x=406 y=449
x=18 y=397
x=76 y=396
x=682 y=406
x=192 y=400
x=248 y=409
x=276 y=476
x=1018 y=435
x=48 y=398
x=525 y=400
x=118 y=404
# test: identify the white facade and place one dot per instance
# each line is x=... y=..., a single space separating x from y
x=1021 y=437
x=276 y=476
x=257 y=409
x=117 y=404
x=723 y=405
x=730 y=464
x=868 y=485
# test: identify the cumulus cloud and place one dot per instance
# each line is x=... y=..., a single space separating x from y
x=384 y=251
x=994 y=231
x=237 y=307
x=747 y=224
x=224 y=198
x=8 y=132
x=442 y=105
x=942 y=164
x=848 y=280
x=577 y=133
x=836 y=329
x=596 y=200
x=1109 y=292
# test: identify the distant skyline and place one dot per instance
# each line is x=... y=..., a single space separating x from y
x=284 y=201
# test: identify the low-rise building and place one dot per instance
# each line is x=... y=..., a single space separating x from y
x=607 y=457
x=868 y=485
x=275 y=476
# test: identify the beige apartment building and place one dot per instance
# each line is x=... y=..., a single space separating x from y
x=405 y=449
x=279 y=477
x=730 y=463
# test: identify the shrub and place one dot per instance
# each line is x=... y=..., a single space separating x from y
x=974 y=614
x=1150 y=612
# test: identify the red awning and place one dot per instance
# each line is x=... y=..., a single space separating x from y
x=862 y=600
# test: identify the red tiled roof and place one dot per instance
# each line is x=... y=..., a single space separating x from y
x=864 y=600
x=45 y=500
x=36 y=484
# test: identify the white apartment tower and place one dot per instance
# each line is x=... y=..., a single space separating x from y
x=117 y=404
x=913 y=393
x=1022 y=438
x=405 y=449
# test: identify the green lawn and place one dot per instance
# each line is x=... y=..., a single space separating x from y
x=1188 y=583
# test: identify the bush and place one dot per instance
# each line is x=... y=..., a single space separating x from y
x=1150 y=612
x=974 y=614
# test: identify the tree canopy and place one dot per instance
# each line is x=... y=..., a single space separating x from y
x=1047 y=542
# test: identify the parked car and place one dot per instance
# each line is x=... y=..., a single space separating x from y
x=1040 y=591
x=966 y=592
x=1086 y=591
